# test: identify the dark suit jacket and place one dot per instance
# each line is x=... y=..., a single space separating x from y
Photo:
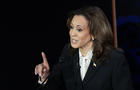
x=113 y=75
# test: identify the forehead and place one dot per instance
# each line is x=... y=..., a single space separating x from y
x=79 y=20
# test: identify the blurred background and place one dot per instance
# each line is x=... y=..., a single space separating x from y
x=38 y=26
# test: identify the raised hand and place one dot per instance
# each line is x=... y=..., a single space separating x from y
x=43 y=69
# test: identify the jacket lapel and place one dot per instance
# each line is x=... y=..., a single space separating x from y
x=91 y=72
x=76 y=68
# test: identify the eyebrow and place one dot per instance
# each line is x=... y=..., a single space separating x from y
x=77 y=25
x=80 y=26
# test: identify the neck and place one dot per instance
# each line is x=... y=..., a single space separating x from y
x=86 y=48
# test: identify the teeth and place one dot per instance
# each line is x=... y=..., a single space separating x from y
x=74 y=41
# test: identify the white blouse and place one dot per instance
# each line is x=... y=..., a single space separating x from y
x=84 y=62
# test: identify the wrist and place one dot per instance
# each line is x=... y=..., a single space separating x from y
x=42 y=80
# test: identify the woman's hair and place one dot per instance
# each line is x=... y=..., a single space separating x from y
x=101 y=30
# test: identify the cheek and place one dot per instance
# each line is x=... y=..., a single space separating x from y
x=70 y=32
x=85 y=38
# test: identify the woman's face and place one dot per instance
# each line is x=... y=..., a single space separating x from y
x=80 y=36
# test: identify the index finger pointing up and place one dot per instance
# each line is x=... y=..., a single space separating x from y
x=45 y=62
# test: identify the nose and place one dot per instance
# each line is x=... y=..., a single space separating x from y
x=73 y=32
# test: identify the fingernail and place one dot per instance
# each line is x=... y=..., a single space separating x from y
x=40 y=75
x=44 y=69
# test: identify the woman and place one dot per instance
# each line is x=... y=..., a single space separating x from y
x=89 y=62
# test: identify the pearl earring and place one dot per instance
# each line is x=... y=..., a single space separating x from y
x=93 y=38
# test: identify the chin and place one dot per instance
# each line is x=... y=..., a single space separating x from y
x=74 y=46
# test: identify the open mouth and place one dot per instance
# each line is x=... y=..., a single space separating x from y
x=74 y=41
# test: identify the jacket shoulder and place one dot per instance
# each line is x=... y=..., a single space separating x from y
x=117 y=56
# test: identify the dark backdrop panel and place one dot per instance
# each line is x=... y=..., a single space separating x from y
x=41 y=26
x=128 y=28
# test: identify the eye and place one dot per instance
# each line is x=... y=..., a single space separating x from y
x=70 y=27
x=79 y=30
